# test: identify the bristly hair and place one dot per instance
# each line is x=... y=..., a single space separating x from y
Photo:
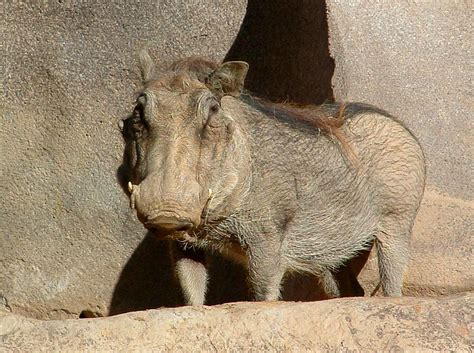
x=326 y=118
x=318 y=117
x=199 y=67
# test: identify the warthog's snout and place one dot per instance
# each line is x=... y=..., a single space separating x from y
x=168 y=221
x=166 y=212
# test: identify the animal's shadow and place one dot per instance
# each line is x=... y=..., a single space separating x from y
x=147 y=281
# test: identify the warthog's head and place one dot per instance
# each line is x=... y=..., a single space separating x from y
x=187 y=155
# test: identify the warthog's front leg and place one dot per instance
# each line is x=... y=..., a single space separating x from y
x=265 y=269
x=329 y=284
x=192 y=274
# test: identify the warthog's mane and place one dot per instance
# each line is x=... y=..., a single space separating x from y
x=326 y=119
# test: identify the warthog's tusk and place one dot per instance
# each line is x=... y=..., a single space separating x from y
x=132 y=189
x=210 y=192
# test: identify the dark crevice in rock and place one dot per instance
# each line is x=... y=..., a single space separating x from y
x=286 y=44
x=88 y=314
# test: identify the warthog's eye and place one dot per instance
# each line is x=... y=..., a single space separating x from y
x=214 y=108
x=212 y=120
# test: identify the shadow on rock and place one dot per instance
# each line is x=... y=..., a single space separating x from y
x=286 y=44
x=147 y=280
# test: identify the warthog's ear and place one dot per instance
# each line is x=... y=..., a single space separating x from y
x=228 y=79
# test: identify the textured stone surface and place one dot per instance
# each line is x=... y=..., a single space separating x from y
x=414 y=60
x=340 y=325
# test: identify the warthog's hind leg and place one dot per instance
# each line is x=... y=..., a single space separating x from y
x=392 y=243
x=329 y=284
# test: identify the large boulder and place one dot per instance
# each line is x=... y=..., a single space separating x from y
x=339 y=325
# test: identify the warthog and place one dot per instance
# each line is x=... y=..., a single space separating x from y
x=279 y=188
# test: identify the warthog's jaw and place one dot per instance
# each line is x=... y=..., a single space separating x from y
x=188 y=233
x=182 y=236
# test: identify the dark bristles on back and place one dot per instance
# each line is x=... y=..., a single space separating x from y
x=326 y=119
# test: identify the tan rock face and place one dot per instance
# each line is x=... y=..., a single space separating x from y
x=355 y=325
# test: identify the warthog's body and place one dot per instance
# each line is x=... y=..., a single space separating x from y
x=264 y=185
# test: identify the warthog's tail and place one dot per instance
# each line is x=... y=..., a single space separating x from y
x=376 y=289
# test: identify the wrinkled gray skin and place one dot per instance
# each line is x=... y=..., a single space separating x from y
x=215 y=171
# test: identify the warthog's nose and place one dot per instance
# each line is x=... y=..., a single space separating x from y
x=169 y=222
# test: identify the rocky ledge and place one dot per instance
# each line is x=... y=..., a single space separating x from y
x=343 y=325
